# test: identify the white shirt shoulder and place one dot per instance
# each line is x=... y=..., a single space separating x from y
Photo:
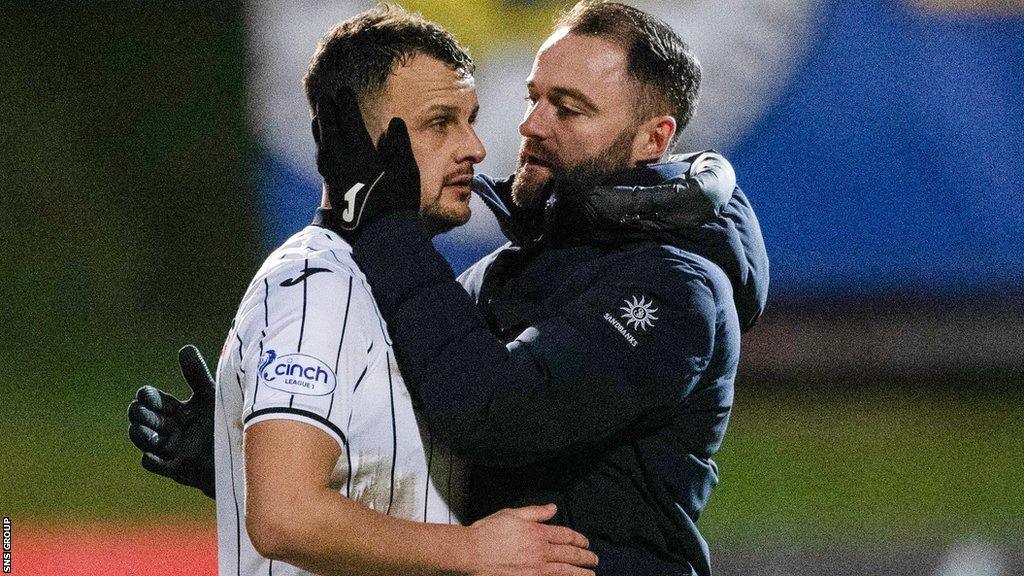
x=304 y=331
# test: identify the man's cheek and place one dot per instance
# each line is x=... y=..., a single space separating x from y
x=420 y=149
x=431 y=179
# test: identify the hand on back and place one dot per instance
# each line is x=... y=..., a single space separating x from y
x=516 y=542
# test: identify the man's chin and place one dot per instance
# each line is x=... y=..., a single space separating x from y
x=528 y=186
x=439 y=220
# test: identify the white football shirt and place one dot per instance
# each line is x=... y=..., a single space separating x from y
x=308 y=344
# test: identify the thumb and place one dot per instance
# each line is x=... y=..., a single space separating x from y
x=534 y=513
x=157 y=465
x=195 y=372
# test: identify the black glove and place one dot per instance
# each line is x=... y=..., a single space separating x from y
x=176 y=438
x=363 y=182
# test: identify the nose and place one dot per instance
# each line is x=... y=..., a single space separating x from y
x=473 y=149
x=535 y=125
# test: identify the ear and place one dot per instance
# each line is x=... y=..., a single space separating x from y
x=653 y=138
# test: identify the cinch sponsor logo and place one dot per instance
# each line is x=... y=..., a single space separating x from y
x=297 y=374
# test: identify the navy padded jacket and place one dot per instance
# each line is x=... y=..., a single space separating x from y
x=589 y=362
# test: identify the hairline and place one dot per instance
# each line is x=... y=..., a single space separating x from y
x=371 y=87
x=374 y=98
x=652 y=101
x=639 y=88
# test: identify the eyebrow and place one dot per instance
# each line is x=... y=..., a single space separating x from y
x=563 y=92
x=446 y=109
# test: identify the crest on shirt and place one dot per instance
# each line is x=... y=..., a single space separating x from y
x=297 y=374
x=638 y=313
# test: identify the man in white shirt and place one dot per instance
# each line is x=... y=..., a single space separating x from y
x=321 y=463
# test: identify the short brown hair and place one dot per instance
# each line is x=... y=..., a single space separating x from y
x=361 y=52
x=665 y=71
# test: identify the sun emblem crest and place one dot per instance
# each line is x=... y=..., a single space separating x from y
x=638 y=313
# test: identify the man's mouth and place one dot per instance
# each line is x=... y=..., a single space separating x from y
x=461 y=183
x=530 y=160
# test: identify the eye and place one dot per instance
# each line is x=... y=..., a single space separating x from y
x=440 y=124
x=566 y=112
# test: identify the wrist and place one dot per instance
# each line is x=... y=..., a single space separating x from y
x=397 y=239
x=450 y=550
x=404 y=225
x=465 y=552
x=399 y=260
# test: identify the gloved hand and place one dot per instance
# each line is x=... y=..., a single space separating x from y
x=176 y=438
x=713 y=176
x=363 y=182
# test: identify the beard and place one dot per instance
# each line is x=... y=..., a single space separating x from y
x=532 y=192
x=446 y=209
x=439 y=219
x=441 y=215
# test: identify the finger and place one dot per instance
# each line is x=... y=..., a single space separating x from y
x=325 y=129
x=325 y=133
x=397 y=154
x=350 y=128
x=567 y=536
x=195 y=372
x=139 y=414
x=145 y=439
x=157 y=465
x=565 y=570
x=572 y=555
x=534 y=513
x=158 y=400
x=394 y=145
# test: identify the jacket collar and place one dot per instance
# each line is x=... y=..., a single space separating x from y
x=614 y=212
x=653 y=203
x=646 y=202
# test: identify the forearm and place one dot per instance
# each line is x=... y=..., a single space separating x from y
x=293 y=515
x=551 y=391
x=473 y=391
x=442 y=331
x=327 y=533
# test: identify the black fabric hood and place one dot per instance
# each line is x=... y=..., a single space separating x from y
x=657 y=202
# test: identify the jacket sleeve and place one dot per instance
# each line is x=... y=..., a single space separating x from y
x=627 y=349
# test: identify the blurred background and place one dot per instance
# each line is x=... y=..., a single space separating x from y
x=153 y=153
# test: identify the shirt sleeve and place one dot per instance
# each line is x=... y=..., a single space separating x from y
x=308 y=341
